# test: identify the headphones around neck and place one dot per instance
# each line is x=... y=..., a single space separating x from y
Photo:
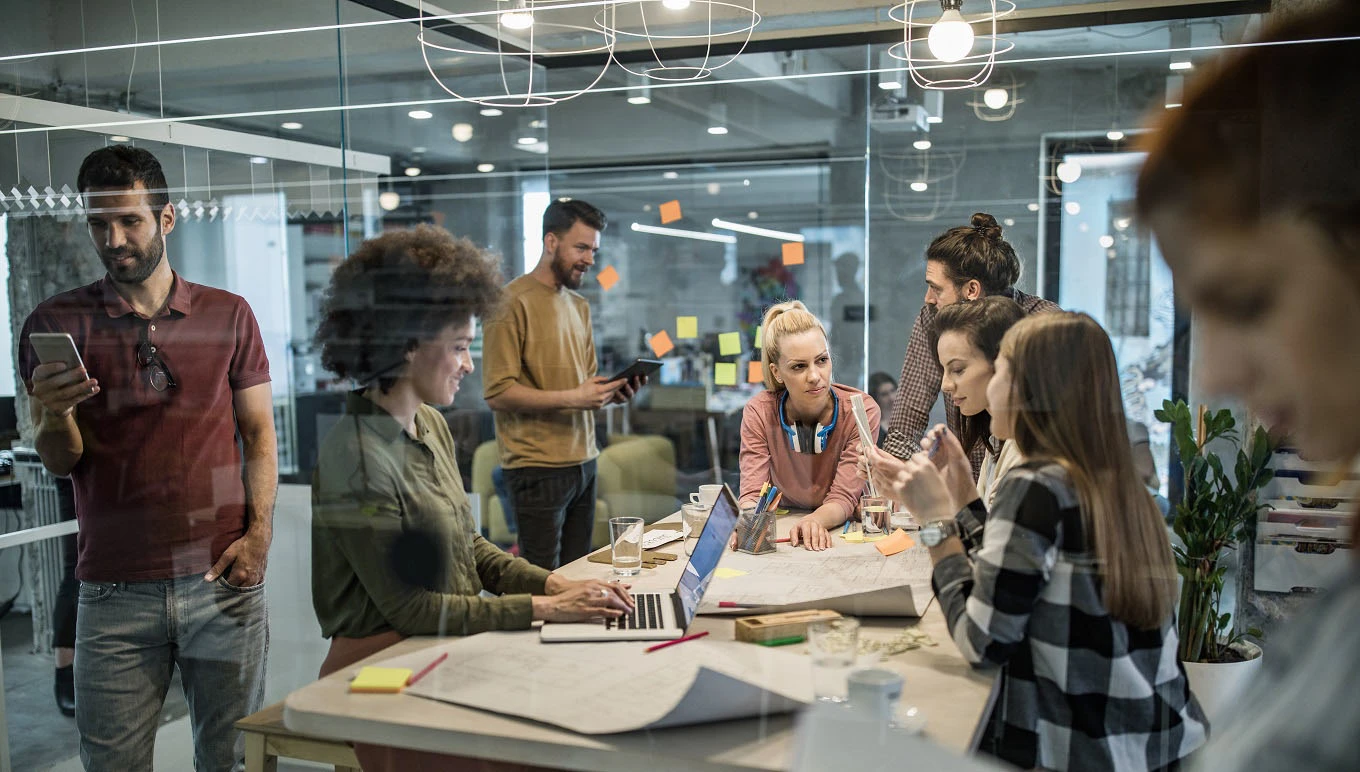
x=807 y=439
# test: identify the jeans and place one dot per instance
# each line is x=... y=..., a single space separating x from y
x=64 y=609
x=555 y=507
x=129 y=638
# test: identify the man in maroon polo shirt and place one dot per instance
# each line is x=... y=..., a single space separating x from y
x=175 y=516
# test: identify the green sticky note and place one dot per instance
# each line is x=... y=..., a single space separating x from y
x=729 y=344
x=758 y=337
x=686 y=327
x=725 y=373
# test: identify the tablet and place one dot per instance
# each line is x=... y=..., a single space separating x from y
x=639 y=367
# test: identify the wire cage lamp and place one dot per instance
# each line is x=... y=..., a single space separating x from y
x=950 y=51
x=712 y=33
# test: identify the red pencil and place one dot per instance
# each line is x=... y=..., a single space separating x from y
x=426 y=670
x=734 y=604
x=651 y=649
x=784 y=540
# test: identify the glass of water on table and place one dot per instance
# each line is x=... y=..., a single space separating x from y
x=873 y=512
x=625 y=539
x=834 y=647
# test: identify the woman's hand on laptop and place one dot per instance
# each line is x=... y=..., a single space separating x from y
x=579 y=601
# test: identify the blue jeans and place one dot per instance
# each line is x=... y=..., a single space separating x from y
x=129 y=638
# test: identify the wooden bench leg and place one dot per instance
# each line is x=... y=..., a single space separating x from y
x=258 y=759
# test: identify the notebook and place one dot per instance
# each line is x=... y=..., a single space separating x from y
x=662 y=616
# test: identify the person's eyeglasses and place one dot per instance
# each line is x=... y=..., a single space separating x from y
x=149 y=358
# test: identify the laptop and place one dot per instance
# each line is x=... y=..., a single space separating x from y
x=662 y=616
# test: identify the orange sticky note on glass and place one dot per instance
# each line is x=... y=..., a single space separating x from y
x=898 y=542
x=661 y=344
x=608 y=278
x=670 y=212
x=793 y=253
x=755 y=373
x=725 y=374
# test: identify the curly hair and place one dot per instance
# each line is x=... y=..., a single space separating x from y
x=397 y=290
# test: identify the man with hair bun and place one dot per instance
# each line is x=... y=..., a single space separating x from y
x=963 y=263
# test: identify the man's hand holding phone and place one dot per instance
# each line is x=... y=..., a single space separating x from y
x=60 y=388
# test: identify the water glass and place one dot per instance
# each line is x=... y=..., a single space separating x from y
x=625 y=538
x=693 y=516
x=873 y=512
x=834 y=646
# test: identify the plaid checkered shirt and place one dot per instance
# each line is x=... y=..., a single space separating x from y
x=1079 y=689
x=919 y=385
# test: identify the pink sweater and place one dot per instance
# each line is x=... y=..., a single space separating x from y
x=807 y=480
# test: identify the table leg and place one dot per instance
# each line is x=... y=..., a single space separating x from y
x=258 y=759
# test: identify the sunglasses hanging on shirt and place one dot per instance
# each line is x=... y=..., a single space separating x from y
x=149 y=359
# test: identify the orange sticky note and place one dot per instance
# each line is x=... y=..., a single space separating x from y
x=608 y=278
x=898 y=542
x=661 y=344
x=670 y=212
x=755 y=373
x=793 y=253
x=725 y=374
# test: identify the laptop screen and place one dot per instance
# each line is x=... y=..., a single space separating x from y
x=708 y=550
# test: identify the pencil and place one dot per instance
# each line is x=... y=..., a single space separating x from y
x=658 y=646
x=784 y=540
x=734 y=604
x=426 y=670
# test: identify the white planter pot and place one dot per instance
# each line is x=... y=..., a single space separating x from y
x=1218 y=684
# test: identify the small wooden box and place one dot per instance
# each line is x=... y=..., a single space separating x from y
x=768 y=627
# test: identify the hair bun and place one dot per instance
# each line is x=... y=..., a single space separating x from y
x=986 y=225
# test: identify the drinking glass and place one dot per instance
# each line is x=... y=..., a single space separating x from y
x=625 y=538
x=693 y=516
x=873 y=511
x=834 y=646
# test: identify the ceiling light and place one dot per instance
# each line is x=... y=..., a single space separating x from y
x=1009 y=221
x=1032 y=206
x=413 y=171
x=996 y=98
x=746 y=183
x=518 y=17
x=921 y=144
x=640 y=96
x=754 y=231
x=484 y=168
x=717 y=118
x=119 y=138
x=290 y=125
x=462 y=132
x=889 y=75
x=1182 y=65
x=1114 y=135
x=1175 y=87
x=713 y=188
x=934 y=119
x=418 y=149
x=671 y=175
x=389 y=200
x=526 y=140
x=1122 y=223
x=919 y=186
x=676 y=5
x=1106 y=241
x=492 y=112
x=721 y=238
x=259 y=159
x=1072 y=207
x=753 y=215
x=1069 y=171
x=951 y=38
x=420 y=115
x=717 y=131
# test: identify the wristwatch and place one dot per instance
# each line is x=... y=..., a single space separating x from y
x=932 y=534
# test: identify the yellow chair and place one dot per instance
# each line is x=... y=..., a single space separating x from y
x=636 y=478
x=485 y=459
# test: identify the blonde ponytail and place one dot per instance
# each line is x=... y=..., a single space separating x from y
x=788 y=318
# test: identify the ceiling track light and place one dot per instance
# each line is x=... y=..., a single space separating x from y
x=754 y=231
x=717 y=118
x=721 y=238
x=942 y=49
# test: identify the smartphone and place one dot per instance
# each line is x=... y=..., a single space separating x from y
x=56 y=347
x=639 y=367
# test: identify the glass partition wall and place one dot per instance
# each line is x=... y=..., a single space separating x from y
x=807 y=170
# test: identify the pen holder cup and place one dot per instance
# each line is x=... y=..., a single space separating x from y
x=756 y=532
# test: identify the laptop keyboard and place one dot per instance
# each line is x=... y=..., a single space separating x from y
x=646 y=615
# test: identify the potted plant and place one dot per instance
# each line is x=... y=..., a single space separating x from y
x=1218 y=512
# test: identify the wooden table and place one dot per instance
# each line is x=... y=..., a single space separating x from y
x=948 y=692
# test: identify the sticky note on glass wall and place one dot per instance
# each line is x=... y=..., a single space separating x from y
x=758 y=329
x=670 y=212
x=608 y=278
x=725 y=374
x=729 y=344
x=686 y=327
x=755 y=372
x=793 y=253
x=661 y=343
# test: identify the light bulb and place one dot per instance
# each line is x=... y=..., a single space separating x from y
x=484 y=168
x=1033 y=206
x=996 y=98
x=389 y=200
x=517 y=18
x=1106 y=241
x=413 y=171
x=951 y=38
x=1114 y=135
x=290 y=125
x=420 y=115
x=676 y=5
x=492 y=112
x=1072 y=208
x=919 y=187
x=717 y=130
x=462 y=132
x=1069 y=171
x=752 y=215
x=921 y=144
x=527 y=140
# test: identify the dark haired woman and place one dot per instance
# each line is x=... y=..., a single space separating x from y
x=963 y=263
x=394 y=549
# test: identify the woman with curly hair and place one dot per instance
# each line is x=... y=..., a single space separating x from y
x=394 y=548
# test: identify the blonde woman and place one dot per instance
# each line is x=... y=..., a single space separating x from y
x=1072 y=588
x=800 y=434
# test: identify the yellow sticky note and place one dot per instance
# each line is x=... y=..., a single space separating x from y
x=670 y=212
x=729 y=344
x=896 y=543
x=755 y=373
x=661 y=344
x=854 y=537
x=758 y=329
x=380 y=680
x=686 y=327
x=608 y=278
x=725 y=374
x=793 y=253
x=728 y=573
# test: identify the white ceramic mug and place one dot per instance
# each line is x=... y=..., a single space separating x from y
x=707 y=496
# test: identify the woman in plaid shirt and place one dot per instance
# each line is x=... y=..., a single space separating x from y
x=1070 y=586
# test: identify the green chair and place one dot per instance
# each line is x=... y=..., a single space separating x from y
x=636 y=475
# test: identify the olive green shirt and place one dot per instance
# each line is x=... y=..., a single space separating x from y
x=393 y=541
x=541 y=339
